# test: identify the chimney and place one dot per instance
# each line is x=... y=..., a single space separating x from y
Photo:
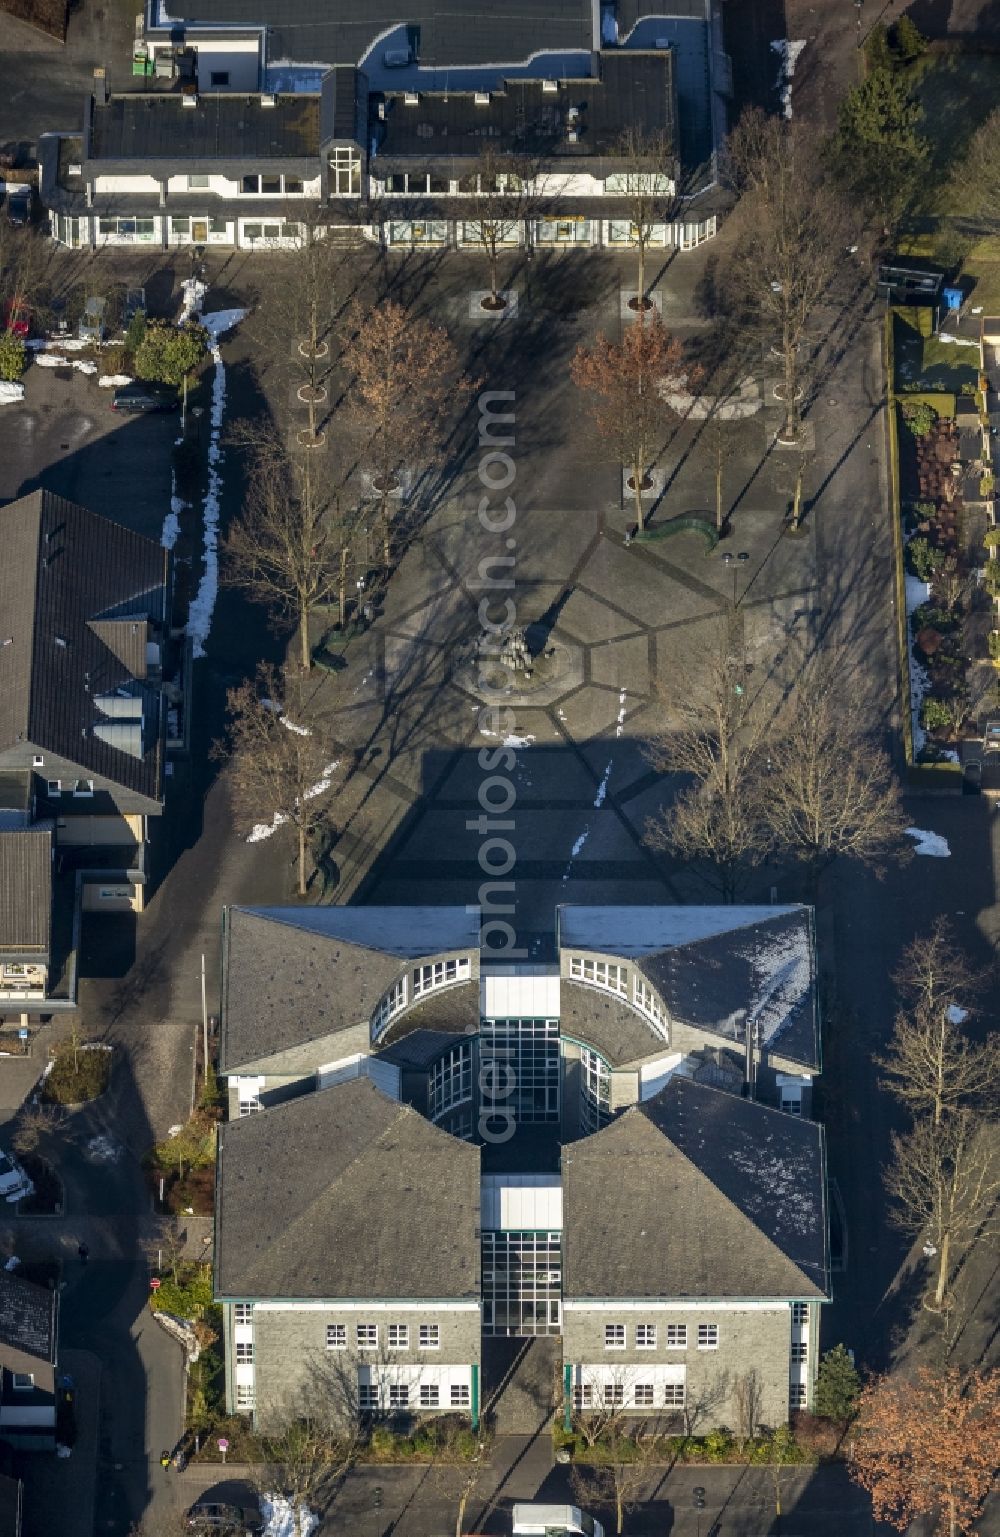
x=101 y=87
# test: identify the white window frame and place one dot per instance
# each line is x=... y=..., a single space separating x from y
x=430 y=1395
x=246 y=1395
x=677 y=1337
x=199 y=183
x=243 y=1352
x=243 y=1313
x=438 y=974
x=368 y=1397
x=399 y=1395
x=23 y=1382
x=367 y=1336
x=799 y=1352
x=388 y=1006
x=336 y=1336
x=708 y=1336
x=798 y=1395
x=583 y=1396
x=449 y=1082
x=615 y=1337
x=399 y=1336
x=607 y=975
x=674 y=1395
x=645 y=1336
x=429 y=1337
x=648 y=1004
x=461 y=1395
x=648 y=1391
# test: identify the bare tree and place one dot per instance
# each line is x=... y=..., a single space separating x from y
x=406 y=390
x=713 y=729
x=977 y=175
x=36 y=1121
x=280 y=760
x=313 y=1441
x=645 y=180
x=747 y=1399
x=945 y=1182
x=791 y=224
x=931 y=1064
x=293 y=545
x=624 y=383
x=831 y=790
x=627 y=1450
x=299 y=314
x=501 y=192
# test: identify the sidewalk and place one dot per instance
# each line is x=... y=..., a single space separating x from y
x=59 y=1491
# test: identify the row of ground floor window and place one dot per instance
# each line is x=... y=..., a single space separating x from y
x=166 y=230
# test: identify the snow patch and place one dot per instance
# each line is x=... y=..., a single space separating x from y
x=788 y=56
x=602 y=788
x=10 y=394
x=262 y=830
x=279 y=1518
x=929 y=843
x=104 y=1149
x=956 y=1014
x=516 y=741
x=193 y=292
x=114 y=381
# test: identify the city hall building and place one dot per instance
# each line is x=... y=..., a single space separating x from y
x=430 y=1158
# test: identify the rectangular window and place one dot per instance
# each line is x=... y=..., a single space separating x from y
x=250 y=184
x=293 y=186
x=244 y=1352
x=271 y=185
x=83 y=787
x=180 y=226
x=583 y=1396
x=647 y=1003
x=218 y=227
x=198 y=183
x=430 y=1336
x=396 y=182
x=460 y=1395
x=595 y=1090
x=645 y=1336
x=368 y=1395
x=800 y=1351
x=367 y=1336
x=108 y=226
x=797 y=1395
x=399 y=1336
x=399 y=1395
x=643 y=1398
x=249 y=1101
x=246 y=1398
x=430 y=1395
x=673 y=1395
x=451 y=1079
x=614 y=1336
x=219 y=78
x=272 y=231
x=708 y=1336
x=791 y=1101
x=53 y=787
x=38 y=761
x=614 y=1395
x=23 y=1381
x=253 y=231
x=677 y=1336
x=144 y=228
x=600 y=974
x=800 y=1314
x=389 y=1005
x=439 y=974
x=336 y=1336
x=243 y=1313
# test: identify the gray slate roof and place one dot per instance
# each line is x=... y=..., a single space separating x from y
x=27 y=1317
x=220 y=127
x=26 y=891
x=606 y=1023
x=292 y=975
x=723 y=1197
x=63 y=568
x=341 y=1194
x=717 y=967
x=418 y=1049
x=634 y=88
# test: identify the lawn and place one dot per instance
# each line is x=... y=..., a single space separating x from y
x=957 y=91
x=928 y=364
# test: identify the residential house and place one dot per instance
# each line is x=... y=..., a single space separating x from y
x=565 y=1078
x=86 y=614
x=29 y=1334
x=25 y=915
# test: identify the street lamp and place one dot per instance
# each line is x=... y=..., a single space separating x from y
x=698 y=1499
x=735 y=561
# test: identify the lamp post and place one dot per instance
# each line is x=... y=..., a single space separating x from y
x=735 y=562
x=698 y=1500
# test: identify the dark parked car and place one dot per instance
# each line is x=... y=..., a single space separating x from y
x=136 y=398
x=135 y=303
x=19 y=204
x=216 y=1519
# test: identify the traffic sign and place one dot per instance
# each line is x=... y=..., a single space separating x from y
x=223 y=1444
x=154 y=1283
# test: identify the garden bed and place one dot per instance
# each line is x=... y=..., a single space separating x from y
x=77 y=1072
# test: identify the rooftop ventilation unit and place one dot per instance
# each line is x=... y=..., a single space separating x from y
x=550 y=86
x=269 y=101
x=189 y=101
x=411 y=98
x=573 y=137
x=74 y=170
x=482 y=98
x=573 y=115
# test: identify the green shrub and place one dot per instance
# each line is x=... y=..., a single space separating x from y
x=13 y=356
x=935 y=714
x=929 y=616
x=991 y=577
x=167 y=352
x=79 y=1072
x=908 y=41
x=187 y=1293
x=837 y=1385
x=920 y=417
x=136 y=333
x=986 y=484
x=923 y=558
x=993 y=645
x=718 y=1445
x=991 y=538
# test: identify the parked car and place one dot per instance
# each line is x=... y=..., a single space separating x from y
x=554 y=1521
x=217 y=1519
x=14 y=1183
x=91 y=327
x=135 y=399
x=17 y=317
x=18 y=204
x=972 y=777
x=135 y=304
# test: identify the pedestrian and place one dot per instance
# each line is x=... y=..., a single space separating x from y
x=83 y=1251
x=164 y=1460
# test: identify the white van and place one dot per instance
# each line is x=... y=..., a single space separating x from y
x=554 y=1521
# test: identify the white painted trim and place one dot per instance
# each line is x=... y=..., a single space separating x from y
x=668 y=1305
x=429 y=1305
